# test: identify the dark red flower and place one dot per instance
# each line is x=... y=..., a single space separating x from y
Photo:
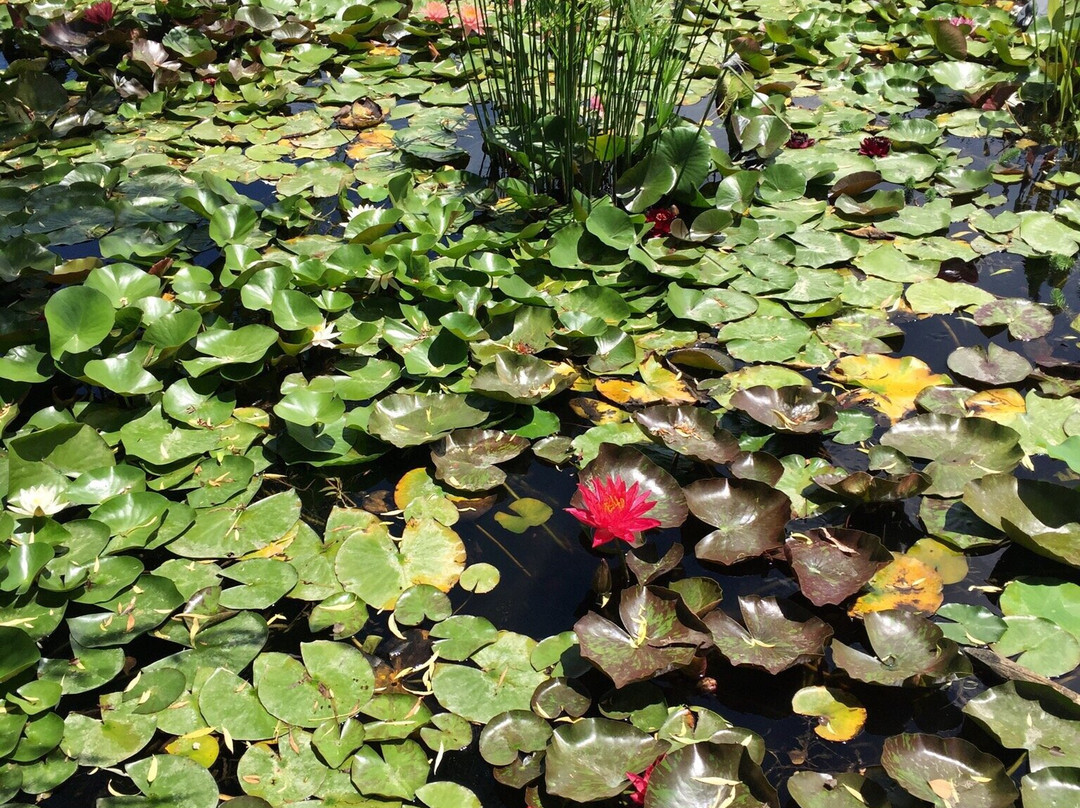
x=613 y=510
x=640 y=782
x=100 y=14
x=800 y=140
x=877 y=146
x=661 y=219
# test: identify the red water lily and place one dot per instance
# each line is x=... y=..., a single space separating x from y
x=800 y=140
x=640 y=782
x=100 y=14
x=613 y=510
x=877 y=146
x=661 y=219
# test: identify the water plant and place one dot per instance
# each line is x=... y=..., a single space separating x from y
x=1053 y=91
x=570 y=94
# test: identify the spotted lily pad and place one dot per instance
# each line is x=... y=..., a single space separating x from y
x=776 y=636
x=905 y=583
x=886 y=383
x=844 y=790
x=834 y=563
x=948 y=772
x=660 y=634
x=690 y=431
x=990 y=365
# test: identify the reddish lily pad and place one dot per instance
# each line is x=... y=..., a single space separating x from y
x=834 y=563
x=864 y=487
x=690 y=431
x=466 y=459
x=990 y=365
x=660 y=635
x=776 y=636
x=948 y=772
x=749 y=518
x=793 y=409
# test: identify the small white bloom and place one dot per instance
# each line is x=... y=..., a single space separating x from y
x=323 y=335
x=361 y=209
x=37 y=500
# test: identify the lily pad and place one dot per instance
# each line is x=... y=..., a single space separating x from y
x=690 y=431
x=947 y=772
x=749 y=518
x=1041 y=516
x=588 y=760
x=833 y=563
x=961 y=449
x=776 y=636
x=840 y=715
x=909 y=649
x=795 y=410
x=707 y=774
x=990 y=365
x=467 y=458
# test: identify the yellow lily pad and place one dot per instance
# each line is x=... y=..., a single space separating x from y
x=905 y=583
x=950 y=564
x=888 y=384
x=840 y=715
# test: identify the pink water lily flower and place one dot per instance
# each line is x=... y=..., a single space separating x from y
x=640 y=782
x=435 y=12
x=613 y=510
x=99 y=14
x=472 y=21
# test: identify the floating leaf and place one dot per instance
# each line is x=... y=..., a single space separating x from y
x=700 y=775
x=887 y=384
x=749 y=518
x=657 y=638
x=690 y=431
x=775 y=638
x=1027 y=716
x=905 y=583
x=834 y=563
x=840 y=715
x=948 y=772
x=845 y=790
x=588 y=760
x=909 y=648
x=795 y=410
x=467 y=458
x=1041 y=516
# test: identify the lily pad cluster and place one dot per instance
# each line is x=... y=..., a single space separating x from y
x=251 y=279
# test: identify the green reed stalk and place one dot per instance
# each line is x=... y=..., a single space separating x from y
x=569 y=93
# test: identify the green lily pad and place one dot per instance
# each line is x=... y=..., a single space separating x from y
x=467 y=458
x=588 y=760
x=706 y=774
x=844 y=790
x=961 y=449
x=410 y=419
x=1021 y=715
x=1041 y=516
x=1052 y=787
x=840 y=715
x=909 y=649
x=504 y=680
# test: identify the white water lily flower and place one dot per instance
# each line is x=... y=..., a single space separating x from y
x=37 y=500
x=361 y=209
x=323 y=335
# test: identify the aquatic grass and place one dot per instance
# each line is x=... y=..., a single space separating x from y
x=1056 y=39
x=568 y=94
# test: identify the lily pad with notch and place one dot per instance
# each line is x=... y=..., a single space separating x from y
x=909 y=650
x=690 y=431
x=749 y=517
x=833 y=563
x=794 y=409
x=947 y=772
x=776 y=637
x=466 y=459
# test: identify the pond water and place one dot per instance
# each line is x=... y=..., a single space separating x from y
x=198 y=299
